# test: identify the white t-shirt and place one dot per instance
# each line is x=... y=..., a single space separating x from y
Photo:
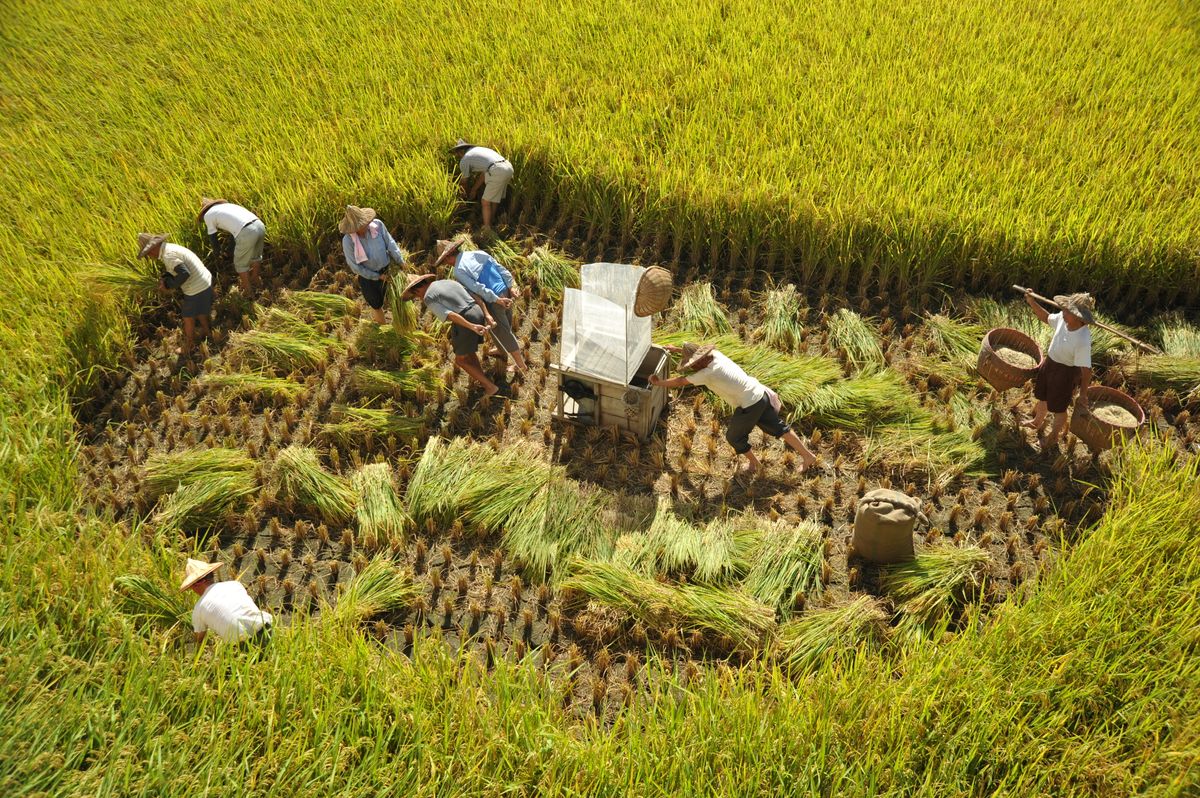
x=727 y=380
x=1069 y=347
x=174 y=255
x=478 y=159
x=227 y=609
x=228 y=217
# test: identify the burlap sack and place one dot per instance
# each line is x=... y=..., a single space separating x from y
x=883 y=526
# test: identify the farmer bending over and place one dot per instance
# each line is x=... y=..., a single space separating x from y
x=450 y=302
x=493 y=288
x=224 y=607
x=182 y=269
x=248 y=234
x=755 y=405
x=370 y=251
x=1068 y=363
x=493 y=174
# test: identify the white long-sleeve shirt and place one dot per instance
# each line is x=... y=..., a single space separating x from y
x=228 y=611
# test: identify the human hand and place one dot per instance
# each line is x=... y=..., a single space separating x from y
x=516 y=292
x=504 y=302
x=653 y=379
x=383 y=278
x=674 y=350
x=480 y=329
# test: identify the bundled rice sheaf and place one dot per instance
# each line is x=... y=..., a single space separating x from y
x=1164 y=372
x=786 y=566
x=957 y=339
x=381 y=587
x=830 y=635
x=507 y=255
x=299 y=477
x=396 y=383
x=1179 y=337
x=322 y=304
x=146 y=600
x=278 y=320
x=930 y=588
x=164 y=473
x=137 y=278
x=355 y=424
x=282 y=352
x=921 y=442
x=551 y=271
x=858 y=339
x=697 y=310
x=247 y=385
x=781 y=328
x=378 y=506
x=858 y=403
x=406 y=315
x=204 y=503
x=715 y=553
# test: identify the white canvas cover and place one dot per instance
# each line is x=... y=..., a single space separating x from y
x=600 y=335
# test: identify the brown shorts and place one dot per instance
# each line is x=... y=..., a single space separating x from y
x=1055 y=384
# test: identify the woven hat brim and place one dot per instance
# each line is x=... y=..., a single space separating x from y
x=698 y=356
x=351 y=223
x=653 y=292
x=212 y=568
x=414 y=282
x=206 y=204
x=448 y=248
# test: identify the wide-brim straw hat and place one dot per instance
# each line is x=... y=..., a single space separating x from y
x=698 y=355
x=415 y=281
x=207 y=203
x=462 y=144
x=147 y=242
x=195 y=571
x=356 y=218
x=445 y=249
x=1078 y=304
x=653 y=292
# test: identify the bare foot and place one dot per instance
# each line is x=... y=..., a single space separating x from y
x=1028 y=422
x=746 y=469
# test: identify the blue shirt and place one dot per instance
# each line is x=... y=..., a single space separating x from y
x=481 y=274
x=381 y=250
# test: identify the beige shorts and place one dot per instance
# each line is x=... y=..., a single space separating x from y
x=248 y=246
x=495 y=181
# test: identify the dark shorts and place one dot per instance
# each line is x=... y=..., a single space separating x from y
x=761 y=415
x=503 y=330
x=372 y=291
x=1055 y=384
x=197 y=304
x=464 y=341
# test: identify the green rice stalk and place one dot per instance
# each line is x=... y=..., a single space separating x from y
x=381 y=587
x=858 y=403
x=958 y=340
x=373 y=383
x=353 y=424
x=921 y=445
x=299 y=477
x=507 y=255
x=830 y=635
x=781 y=328
x=322 y=304
x=1164 y=372
x=406 y=316
x=1179 y=338
x=279 y=351
x=147 y=600
x=378 y=507
x=164 y=473
x=929 y=588
x=786 y=566
x=551 y=271
x=203 y=503
x=698 y=310
x=858 y=339
x=246 y=385
x=138 y=278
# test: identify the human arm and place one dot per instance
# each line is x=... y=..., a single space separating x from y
x=483 y=306
x=393 y=248
x=513 y=291
x=674 y=382
x=1042 y=314
x=213 y=243
x=177 y=279
x=199 y=636
x=1085 y=381
x=455 y=318
x=478 y=184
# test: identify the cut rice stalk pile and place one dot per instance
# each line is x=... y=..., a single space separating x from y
x=165 y=473
x=858 y=403
x=1165 y=372
x=781 y=328
x=147 y=600
x=930 y=588
x=378 y=507
x=858 y=339
x=245 y=385
x=299 y=477
x=406 y=315
x=958 y=339
x=1015 y=357
x=786 y=566
x=697 y=310
x=551 y=271
x=282 y=352
x=1113 y=413
x=354 y=425
x=921 y=444
x=506 y=255
x=382 y=586
x=720 y=612
x=715 y=553
x=278 y=320
x=370 y=382
x=203 y=503
x=1179 y=337
x=836 y=633
x=322 y=304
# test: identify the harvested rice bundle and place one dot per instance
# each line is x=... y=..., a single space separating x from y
x=382 y=586
x=1164 y=372
x=858 y=403
x=941 y=453
x=786 y=566
x=370 y=382
x=353 y=424
x=433 y=490
x=147 y=600
x=245 y=385
x=279 y=351
x=562 y=521
x=714 y=553
x=957 y=339
x=322 y=304
x=278 y=320
x=406 y=315
x=1179 y=337
x=551 y=271
x=138 y=278
x=698 y=310
x=781 y=328
x=204 y=502
x=299 y=477
x=378 y=507
x=507 y=255
x=858 y=339
x=929 y=588
x=836 y=633
x=165 y=473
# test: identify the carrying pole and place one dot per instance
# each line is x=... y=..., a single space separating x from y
x=1152 y=350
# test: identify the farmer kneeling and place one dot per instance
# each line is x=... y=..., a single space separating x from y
x=450 y=302
x=1068 y=362
x=224 y=607
x=184 y=270
x=755 y=405
x=370 y=252
x=494 y=290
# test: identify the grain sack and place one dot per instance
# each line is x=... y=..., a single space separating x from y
x=883 y=526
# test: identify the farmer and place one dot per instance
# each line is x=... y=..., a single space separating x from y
x=755 y=405
x=224 y=607
x=450 y=302
x=248 y=233
x=493 y=289
x=1068 y=363
x=182 y=269
x=493 y=174
x=370 y=251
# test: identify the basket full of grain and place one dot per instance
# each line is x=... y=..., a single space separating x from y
x=1008 y=358
x=1113 y=418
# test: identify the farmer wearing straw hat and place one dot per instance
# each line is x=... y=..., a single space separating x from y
x=450 y=302
x=225 y=608
x=182 y=269
x=248 y=233
x=754 y=404
x=1067 y=365
x=493 y=173
x=493 y=288
x=370 y=252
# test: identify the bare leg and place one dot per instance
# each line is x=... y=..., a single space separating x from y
x=807 y=458
x=377 y=314
x=256 y=272
x=488 y=209
x=751 y=465
x=205 y=326
x=1056 y=430
x=1039 y=416
x=471 y=365
x=189 y=336
x=244 y=282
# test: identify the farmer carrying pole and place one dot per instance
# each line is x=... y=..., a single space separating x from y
x=491 y=170
x=224 y=607
x=182 y=269
x=247 y=231
x=494 y=289
x=754 y=404
x=1067 y=365
x=370 y=252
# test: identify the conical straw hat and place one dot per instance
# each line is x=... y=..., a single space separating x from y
x=195 y=571
x=692 y=362
x=445 y=249
x=356 y=218
x=415 y=281
x=147 y=242
x=205 y=204
x=653 y=292
x=1079 y=304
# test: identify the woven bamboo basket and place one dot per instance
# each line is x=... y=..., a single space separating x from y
x=1099 y=434
x=1002 y=375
